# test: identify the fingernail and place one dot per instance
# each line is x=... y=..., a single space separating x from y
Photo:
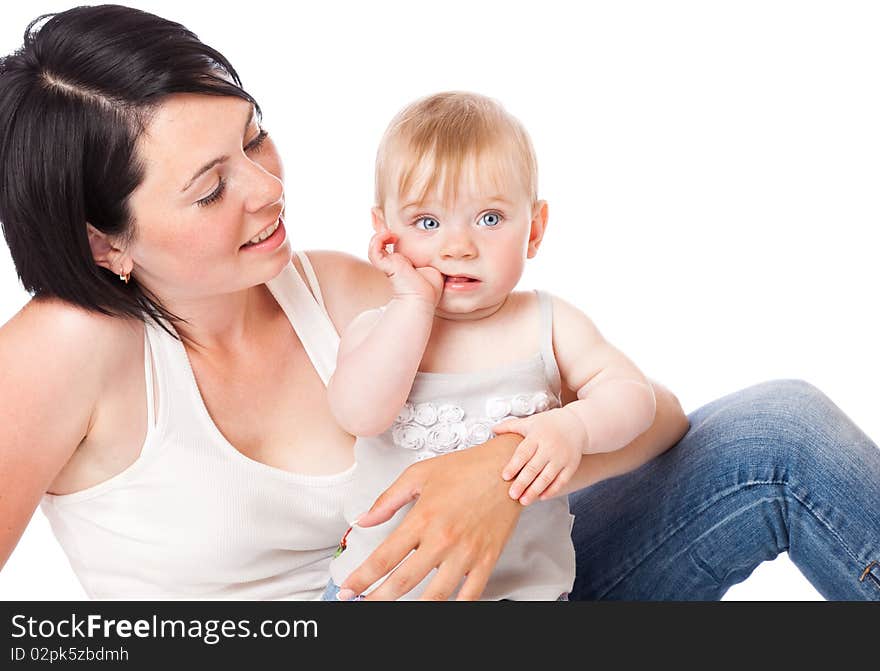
x=345 y=595
x=357 y=519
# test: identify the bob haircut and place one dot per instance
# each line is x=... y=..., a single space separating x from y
x=74 y=99
x=436 y=141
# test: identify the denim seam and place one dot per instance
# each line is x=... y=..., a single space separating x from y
x=720 y=498
x=703 y=565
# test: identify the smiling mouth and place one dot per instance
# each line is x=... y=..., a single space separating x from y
x=265 y=233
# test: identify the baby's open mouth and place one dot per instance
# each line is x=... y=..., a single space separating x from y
x=460 y=282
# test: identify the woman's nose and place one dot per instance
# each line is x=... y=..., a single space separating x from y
x=263 y=187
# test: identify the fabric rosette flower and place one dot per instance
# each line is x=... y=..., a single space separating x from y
x=496 y=408
x=446 y=437
x=522 y=405
x=541 y=401
x=450 y=413
x=405 y=414
x=409 y=436
x=479 y=432
x=425 y=414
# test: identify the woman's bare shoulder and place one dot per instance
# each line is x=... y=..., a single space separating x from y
x=59 y=333
x=58 y=361
x=349 y=285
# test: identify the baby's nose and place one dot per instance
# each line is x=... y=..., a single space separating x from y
x=458 y=245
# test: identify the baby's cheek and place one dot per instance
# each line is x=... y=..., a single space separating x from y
x=418 y=253
x=510 y=265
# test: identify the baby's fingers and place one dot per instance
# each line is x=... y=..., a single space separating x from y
x=558 y=483
x=532 y=469
x=524 y=451
x=540 y=484
x=378 y=255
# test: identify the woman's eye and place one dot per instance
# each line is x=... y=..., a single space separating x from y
x=490 y=219
x=214 y=196
x=254 y=145
x=427 y=224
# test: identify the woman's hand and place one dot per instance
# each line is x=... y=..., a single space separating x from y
x=460 y=523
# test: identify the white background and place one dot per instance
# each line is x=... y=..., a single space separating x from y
x=712 y=171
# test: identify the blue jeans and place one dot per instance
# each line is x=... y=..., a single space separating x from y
x=770 y=469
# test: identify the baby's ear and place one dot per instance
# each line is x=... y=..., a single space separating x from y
x=378 y=219
x=537 y=228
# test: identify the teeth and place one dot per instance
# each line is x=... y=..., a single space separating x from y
x=262 y=235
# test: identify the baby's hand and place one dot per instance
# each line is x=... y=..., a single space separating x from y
x=425 y=284
x=547 y=457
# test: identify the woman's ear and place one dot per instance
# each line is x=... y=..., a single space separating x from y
x=537 y=228
x=106 y=254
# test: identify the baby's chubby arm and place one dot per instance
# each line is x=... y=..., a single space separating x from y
x=615 y=405
x=380 y=350
x=615 y=400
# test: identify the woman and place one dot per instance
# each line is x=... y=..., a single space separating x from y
x=144 y=202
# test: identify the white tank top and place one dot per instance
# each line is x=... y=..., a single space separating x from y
x=193 y=517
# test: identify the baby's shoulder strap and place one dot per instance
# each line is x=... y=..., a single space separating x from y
x=551 y=368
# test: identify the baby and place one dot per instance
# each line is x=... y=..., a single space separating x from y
x=457 y=356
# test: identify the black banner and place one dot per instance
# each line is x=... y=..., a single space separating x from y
x=334 y=635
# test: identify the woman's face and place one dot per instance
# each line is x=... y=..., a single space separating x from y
x=213 y=182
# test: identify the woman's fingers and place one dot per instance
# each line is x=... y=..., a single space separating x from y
x=475 y=582
x=463 y=517
x=399 y=493
x=381 y=562
x=446 y=581
x=406 y=576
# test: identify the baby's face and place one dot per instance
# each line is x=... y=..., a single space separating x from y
x=479 y=242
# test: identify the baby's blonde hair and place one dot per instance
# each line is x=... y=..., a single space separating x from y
x=433 y=141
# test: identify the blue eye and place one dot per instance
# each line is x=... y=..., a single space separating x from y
x=490 y=219
x=427 y=224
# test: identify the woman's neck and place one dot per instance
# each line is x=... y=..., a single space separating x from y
x=225 y=322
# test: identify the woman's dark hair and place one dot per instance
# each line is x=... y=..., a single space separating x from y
x=74 y=99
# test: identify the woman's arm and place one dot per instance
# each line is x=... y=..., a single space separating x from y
x=463 y=515
x=51 y=359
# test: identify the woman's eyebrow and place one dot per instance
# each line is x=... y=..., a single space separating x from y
x=201 y=171
x=220 y=159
